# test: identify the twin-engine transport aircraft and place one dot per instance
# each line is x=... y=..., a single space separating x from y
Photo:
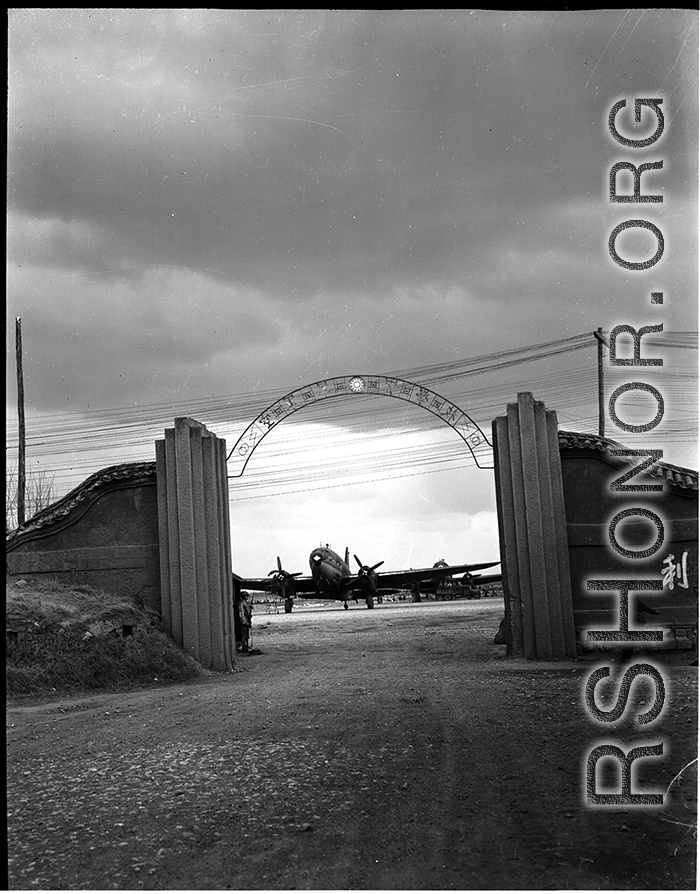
x=331 y=578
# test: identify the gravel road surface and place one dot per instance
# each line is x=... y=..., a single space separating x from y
x=387 y=749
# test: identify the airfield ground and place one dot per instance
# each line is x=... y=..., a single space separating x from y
x=387 y=749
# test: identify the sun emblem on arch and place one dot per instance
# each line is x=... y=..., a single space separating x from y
x=357 y=384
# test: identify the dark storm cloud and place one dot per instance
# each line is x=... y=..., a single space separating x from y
x=130 y=341
x=231 y=142
x=309 y=183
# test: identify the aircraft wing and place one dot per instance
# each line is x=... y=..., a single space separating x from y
x=403 y=579
x=302 y=585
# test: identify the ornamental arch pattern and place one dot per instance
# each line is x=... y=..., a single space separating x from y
x=385 y=386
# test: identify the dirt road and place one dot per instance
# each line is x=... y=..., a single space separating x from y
x=385 y=749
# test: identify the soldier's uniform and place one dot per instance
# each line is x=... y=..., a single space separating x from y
x=245 y=616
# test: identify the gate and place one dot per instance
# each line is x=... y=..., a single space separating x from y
x=193 y=520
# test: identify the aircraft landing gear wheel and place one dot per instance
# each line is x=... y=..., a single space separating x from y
x=345 y=606
x=370 y=602
x=288 y=606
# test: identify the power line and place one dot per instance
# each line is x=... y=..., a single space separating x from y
x=65 y=445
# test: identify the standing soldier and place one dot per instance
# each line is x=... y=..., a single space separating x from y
x=415 y=591
x=245 y=616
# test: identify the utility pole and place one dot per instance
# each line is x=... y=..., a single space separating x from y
x=20 y=417
x=600 y=338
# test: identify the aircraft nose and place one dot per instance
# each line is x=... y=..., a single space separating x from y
x=316 y=559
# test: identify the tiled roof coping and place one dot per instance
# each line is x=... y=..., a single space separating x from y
x=63 y=507
x=677 y=475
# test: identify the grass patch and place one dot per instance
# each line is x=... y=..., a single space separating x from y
x=76 y=643
x=48 y=601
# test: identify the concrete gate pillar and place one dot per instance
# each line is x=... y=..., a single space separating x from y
x=195 y=543
x=532 y=532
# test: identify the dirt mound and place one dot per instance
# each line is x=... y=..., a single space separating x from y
x=69 y=639
x=49 y=603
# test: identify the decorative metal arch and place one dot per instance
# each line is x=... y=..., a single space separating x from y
x=388 y=386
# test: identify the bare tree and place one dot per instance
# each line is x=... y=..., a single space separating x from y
x=39 y=493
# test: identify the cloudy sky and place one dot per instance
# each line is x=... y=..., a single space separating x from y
x=237 y=203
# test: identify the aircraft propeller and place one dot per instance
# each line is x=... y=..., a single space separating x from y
x=284 y=579
x=367 y=580
x=366 y=569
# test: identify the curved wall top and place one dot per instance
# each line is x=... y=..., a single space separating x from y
x=388 y=386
